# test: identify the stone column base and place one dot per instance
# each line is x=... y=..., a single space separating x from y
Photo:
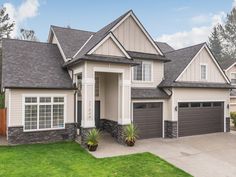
x=120 y=134
x=227 y=124
x=171 y=129
x=83 y=133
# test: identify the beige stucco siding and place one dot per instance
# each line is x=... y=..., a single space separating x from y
x=16 y=104
x=109 y=48
x=157 y=76
x=198 y=94
x=192 y=73
x=132 y=37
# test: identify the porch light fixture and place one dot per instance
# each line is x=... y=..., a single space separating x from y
x=227 y=106
x=176 y=108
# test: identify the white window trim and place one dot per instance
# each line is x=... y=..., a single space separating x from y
x=51 y=103
x=143 y=81
x=203 y=64
x=231 y=77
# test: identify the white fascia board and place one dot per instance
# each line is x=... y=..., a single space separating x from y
x=141 y=27
x=110 y=35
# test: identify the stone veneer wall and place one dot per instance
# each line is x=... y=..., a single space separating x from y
x=113 y=128
x=171 y=129
x=227 y=124
x=16 y=135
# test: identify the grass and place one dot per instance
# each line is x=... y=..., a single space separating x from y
x=70 y=160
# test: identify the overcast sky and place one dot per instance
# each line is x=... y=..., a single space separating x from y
x=179 y=22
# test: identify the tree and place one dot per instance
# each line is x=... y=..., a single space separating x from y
x=28 y=35
x=215 y=42
x=6 y=27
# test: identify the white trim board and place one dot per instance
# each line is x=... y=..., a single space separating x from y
x=214 y=60
x=141 y=27
x=110 y=35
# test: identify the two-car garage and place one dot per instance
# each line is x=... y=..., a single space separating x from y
x=194 y=118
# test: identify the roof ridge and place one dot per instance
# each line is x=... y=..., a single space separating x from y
x=71 y=29
x=186 y=47
x=21 y=40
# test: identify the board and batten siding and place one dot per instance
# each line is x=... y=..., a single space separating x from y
x=16 y=104
x=132 y=37
x=109 y=48
x=192 y=73
x=157 y=75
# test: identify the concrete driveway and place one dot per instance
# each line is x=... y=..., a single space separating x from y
x=202 y=156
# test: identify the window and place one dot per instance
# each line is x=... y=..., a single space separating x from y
x=203 y=72
x=195 y=104
x=233 y=78
x=206 y=104
x=143 y=72
x=44 y=112
x=216 y=104
x=96 y=86
x=183 y=105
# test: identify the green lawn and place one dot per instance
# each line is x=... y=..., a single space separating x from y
x=69 y=159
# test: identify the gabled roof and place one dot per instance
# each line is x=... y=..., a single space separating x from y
x=71 y=40
x=164 y=47
x=179 y=60
x=27 y=64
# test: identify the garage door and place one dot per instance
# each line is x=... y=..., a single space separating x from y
x=200 y=118
x=148 y=119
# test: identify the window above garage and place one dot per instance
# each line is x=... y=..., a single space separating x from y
x=143 y=72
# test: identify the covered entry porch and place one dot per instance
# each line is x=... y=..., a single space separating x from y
x=103 y=98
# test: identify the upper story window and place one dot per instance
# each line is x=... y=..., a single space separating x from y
x=233 y=78
x=203 y=72
x=143 y=72
x=96 y=86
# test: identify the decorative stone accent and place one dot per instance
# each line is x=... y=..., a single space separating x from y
x=120 y=134
x=83 y=133
x=16 y=135
x=109 y=126
x=227 y=124
x=171 y=129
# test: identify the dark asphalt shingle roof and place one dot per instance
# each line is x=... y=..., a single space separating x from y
x=179 y=60
x=147 y=56
x=104 y=58
x=148 y=93
x=199 y=85
x=71 y=40
x=27 y=64
x=226 y=63
x=164 y=47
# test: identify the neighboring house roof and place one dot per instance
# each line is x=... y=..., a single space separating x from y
x=227 y=63
x=179 y=60
x=148 y=93
x=164 y=47
x=28 y=64
x=71 y=40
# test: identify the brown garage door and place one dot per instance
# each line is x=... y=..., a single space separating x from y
x=148 y=119
x=200 y=118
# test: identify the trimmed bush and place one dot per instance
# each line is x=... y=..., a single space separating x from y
x=233 y=117
x=2 y=101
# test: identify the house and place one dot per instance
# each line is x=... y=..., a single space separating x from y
x=229 y=67
x=108 y=79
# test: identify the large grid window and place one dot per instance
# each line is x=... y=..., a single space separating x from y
x=43 y=112
x=143 y=72
x=233 y=78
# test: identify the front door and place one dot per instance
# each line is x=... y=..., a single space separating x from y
x=2 y=122
x=97 y=113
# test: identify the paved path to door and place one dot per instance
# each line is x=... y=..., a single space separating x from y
x=212 y=155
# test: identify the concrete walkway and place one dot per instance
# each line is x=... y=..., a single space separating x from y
x=202 y=156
